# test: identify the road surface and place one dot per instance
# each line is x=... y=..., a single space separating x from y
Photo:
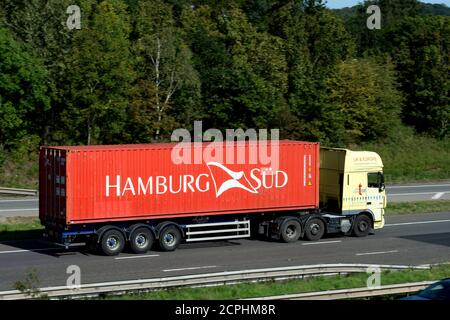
x=406 y=240
x=19 y=207
x=418 y=192
x=396 y=193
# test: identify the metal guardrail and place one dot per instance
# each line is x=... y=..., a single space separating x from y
x=201 y=280
x=353 y=293
x=20 y=192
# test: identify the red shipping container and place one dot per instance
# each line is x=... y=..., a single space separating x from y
x=84 y=184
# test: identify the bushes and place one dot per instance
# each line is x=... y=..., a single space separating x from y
x=19 y=168
x=411 y=157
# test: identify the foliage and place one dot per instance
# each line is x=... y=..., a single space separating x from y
x=243 y=71
x=23 y=90
x=139 y=69
x=30 y=285
x=418 y=45
x=19 y=166
x=420 y=48
x=411 y=157
x=101 y=73
x=367 y=99
x=164 y=69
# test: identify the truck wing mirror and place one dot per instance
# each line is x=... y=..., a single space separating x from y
x=381 y=184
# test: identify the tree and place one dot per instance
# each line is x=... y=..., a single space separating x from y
x=101 y=72
x=315 y=41
x=23 y=90
x=243 y=71
x=165 y=67
x=392 y=12
x=366 y=96
x=420 y=49
x=42 y=25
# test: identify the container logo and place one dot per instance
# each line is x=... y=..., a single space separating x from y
x=222 y=178
x=236 y=180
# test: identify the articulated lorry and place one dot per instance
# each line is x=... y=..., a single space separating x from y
x=140 y=196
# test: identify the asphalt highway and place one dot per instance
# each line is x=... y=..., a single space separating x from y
x=406 y=240
x=418 y=192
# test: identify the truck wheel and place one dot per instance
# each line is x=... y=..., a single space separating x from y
x=361 y=227
x=141 y=240
x=290 y=230
x=112 y=242
x=314 y=229
x=169 y=238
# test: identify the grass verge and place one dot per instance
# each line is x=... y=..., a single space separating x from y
x=418 y=207
x=410 y=157
x=20 y=228
x=253 y=290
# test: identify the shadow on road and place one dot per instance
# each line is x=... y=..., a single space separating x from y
x=9 y=235
x=32 y=240
x=442 y=239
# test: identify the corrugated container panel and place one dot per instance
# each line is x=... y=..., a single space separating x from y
x=133 y=182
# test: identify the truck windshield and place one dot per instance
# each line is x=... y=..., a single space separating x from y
x=373 y=180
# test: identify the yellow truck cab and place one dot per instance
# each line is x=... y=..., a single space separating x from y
x=352 y=184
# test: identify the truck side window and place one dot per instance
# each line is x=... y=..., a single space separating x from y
x=372 y=180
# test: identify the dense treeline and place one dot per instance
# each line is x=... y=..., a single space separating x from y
x=138 y=69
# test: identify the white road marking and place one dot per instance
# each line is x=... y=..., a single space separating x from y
x=419 y=186
x=137 y=257
x=377 y=252
x=18 y=210
x=437 y=195
x=191 y=268
x=417 y=222
x=33 y=250
x=414 y=194
x=18 y=200
x=320 y=242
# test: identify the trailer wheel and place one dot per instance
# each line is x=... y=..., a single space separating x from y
x=314 y=229
x=141 y=240
x=361 y=226
x=290 y=231
x=112 y=242
x=169 y=238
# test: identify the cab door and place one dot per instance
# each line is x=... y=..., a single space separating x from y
x=375 y=196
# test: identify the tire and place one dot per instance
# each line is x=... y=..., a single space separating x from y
x=112 y=242
x=361 y=226
x=169 y=238
x=314 y=229
x=290 y=231
x=141 y=240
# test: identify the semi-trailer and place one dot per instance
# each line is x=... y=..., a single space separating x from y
x=112 y=196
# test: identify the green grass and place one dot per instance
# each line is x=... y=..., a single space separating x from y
x=253 y=290
x=418 y=207
x=20 y=228
x=409 y=157
x=19 y=168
